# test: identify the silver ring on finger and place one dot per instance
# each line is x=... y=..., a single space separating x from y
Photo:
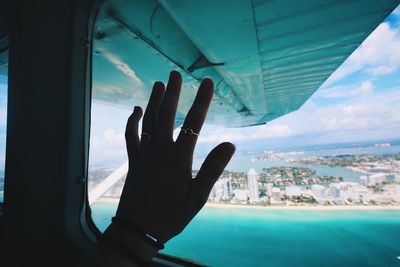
x=188 y=131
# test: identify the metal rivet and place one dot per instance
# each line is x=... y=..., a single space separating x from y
x=81 y=180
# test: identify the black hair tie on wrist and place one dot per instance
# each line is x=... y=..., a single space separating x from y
x=137 y=230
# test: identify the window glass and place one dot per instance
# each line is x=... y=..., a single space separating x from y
x=4 y=45
x=3 y=128
x=320 y=180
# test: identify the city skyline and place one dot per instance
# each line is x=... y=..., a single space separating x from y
x=379 y=183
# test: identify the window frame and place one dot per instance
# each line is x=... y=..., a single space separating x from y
x=58 y=199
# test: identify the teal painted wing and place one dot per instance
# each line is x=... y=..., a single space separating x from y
x=266 y=57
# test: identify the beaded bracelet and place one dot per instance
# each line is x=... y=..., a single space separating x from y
x=138 y=230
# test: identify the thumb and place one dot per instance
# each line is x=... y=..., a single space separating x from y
x=211 y=169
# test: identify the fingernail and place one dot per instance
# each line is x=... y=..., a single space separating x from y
x=174 y=74
x=230 y=150
x=158 y=84
x=208 y=81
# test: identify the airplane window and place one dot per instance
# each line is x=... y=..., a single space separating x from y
x=3 y=126
x=4 y=44
x=316 y=174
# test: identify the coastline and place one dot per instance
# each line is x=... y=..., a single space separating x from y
x=316 y=208
x=111 y=200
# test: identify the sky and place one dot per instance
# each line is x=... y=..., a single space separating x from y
x=359 y=102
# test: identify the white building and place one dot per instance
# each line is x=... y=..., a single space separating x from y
x=213 y=193
x=217 y=191
x=354 y=192
x=222 y=190
x=334 y=191
x=269 y=189
x=226 y=188
x=276 y=193
x=318 y=191
x=398 y=192
x=276 y=196
x=241 y=195
x=364 y=180
x=252 y=180
x=376 y=179
x=293 y=191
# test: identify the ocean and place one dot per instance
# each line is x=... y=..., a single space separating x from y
x=262 y=237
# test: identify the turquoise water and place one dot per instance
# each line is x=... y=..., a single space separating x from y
x=250 y=237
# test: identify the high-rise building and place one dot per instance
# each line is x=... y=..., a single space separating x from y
x=334 y=191
x=293 y=191
x=241 y=195
x=213 y=193
x=318 y=191
x=226 y=188
x=269 y=189
x=252 y=180
x=377 y=179
x=398 y=192
x=276 y=193
x=222 y=190
x=364 y=180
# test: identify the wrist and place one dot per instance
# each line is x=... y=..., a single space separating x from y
x=126 y=240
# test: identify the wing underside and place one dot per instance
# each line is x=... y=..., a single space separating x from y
x=266 y=57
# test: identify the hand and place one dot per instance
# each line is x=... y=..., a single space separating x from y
x=160 y=195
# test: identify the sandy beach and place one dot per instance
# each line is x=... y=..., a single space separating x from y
x=343 y=207
x=241 y=206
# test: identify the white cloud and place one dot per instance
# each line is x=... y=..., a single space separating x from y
x=375 y=112
x=365 y=88
x=345 y=91
x=124 y=67
x=110 y=144
x=375 y=115
x=108 y=89
x=246 y=134
x=379 y=54
x=381 y=70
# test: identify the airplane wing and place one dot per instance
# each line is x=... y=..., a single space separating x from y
x=266 y=57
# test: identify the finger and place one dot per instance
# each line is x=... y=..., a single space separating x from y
x=151 y=114
x=195 y=117
x=212 y=168
x=168 y=108
x=131 y=132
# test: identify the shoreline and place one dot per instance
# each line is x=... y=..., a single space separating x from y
x=316 y=208
x=111 y=200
